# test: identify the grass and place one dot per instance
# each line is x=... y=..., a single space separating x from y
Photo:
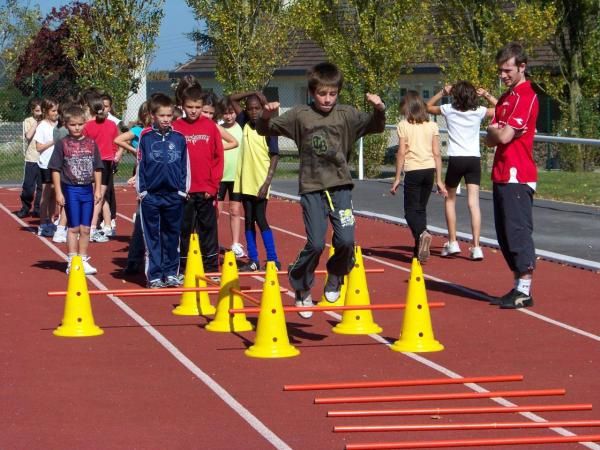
x=575 y=187
x=581 y=187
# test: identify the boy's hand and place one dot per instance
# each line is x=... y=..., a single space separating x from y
x=264 y=189
x=447 y=89
x=374 y=100
x=60 y=199
x=261 y=97
x=97 y=196
x=131 y=181
x=269 y=109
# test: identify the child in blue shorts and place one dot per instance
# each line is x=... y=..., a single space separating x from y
x=75 y=165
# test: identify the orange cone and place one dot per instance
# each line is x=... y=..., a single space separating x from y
x=78 y=320
x=357 y=321
x=417 y=332
x=224 y=321
x=342 y=300
x=271 y=331
x=194 y=303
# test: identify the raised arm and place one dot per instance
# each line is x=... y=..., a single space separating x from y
x=491 y=100
x=432 y=108
x=236 y=98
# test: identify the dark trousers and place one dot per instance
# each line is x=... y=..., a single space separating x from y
x=200 y=216
x=161 y=225
x=32 y=183
x=513 y=217
x=317 y=207
x=417 y=189
x=135 y=256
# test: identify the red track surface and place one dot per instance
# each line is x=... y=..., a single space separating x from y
x=125 y=390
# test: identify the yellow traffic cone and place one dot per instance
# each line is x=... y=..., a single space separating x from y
x=271 y=332
x=194 y=303
x=224 y=321
x=357 y=321
x=340 y=301
x=417 y=332
x=78 y=320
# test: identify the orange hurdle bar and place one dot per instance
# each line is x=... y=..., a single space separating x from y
x=459 y=410
x=335 y=308
x=454 y=396
x=283 y=272
x=400 y=383
x=161 y=292
x=476 y=442
x=467 y=426
x=139 y=291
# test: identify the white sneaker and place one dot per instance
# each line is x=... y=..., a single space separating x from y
x=88 y=269
x=60 y=235
x=98 y=236
x=333 y=287
x=450 y=248
x=476 y=253
x=238 y=250
x=304 y=299
x=108 y=231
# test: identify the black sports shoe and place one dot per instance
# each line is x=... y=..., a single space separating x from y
x=35 y=213
x=22 y=213
x=515 y=300
x=252 y=266
x=497 y=301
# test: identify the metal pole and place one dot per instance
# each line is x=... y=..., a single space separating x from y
x=360 y=159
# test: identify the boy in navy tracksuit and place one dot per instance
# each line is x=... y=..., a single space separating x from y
x=162 y=180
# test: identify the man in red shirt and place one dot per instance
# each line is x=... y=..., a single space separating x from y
x=514 y=173
x=205 y=159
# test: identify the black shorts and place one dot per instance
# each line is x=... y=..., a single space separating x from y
x=468 y=167
x=107 y=173
x=226 y=187
x=46 y=175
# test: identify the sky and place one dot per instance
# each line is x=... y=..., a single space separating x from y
x=173 y=47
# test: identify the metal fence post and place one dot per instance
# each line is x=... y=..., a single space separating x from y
x=361 y=168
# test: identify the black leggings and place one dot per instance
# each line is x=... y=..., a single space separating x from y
x=255 y=212
x=417 y=189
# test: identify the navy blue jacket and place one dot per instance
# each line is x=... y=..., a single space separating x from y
x=162 y=162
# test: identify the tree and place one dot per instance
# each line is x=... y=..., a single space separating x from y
x=576 y=43
x=250 y=38
x=468 y=34
x=18 y=25
x=43 y=67
x=372 y=41
x=111 y=50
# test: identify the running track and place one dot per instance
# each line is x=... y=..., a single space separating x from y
x=159 y=381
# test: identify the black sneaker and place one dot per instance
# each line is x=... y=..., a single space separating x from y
x=516 y=300
x=252 y=266
x=35 y=213
x=22 y=213
x=333 y=287
x=497 y=301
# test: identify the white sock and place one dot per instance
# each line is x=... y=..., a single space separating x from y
x=524 y=285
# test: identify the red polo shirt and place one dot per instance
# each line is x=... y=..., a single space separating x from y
x=513 y=162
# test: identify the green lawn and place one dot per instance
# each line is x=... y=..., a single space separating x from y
x=581 y=188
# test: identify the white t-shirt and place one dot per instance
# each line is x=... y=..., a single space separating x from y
x=43 y=135
x=463 y=130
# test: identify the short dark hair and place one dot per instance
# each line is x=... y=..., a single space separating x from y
x=107 y=97
x=512 y=50
x=324 y=74
x=193 y=93
x=226 y=103
x=48 y=104
x=72 y=111
x=413 y=108
x=160 y=100
x=34 y=102
x=464 y=96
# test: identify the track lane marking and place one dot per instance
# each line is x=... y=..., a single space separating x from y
x=212 y=384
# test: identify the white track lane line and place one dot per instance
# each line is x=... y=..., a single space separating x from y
x=221 y=392
x=439 y=368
